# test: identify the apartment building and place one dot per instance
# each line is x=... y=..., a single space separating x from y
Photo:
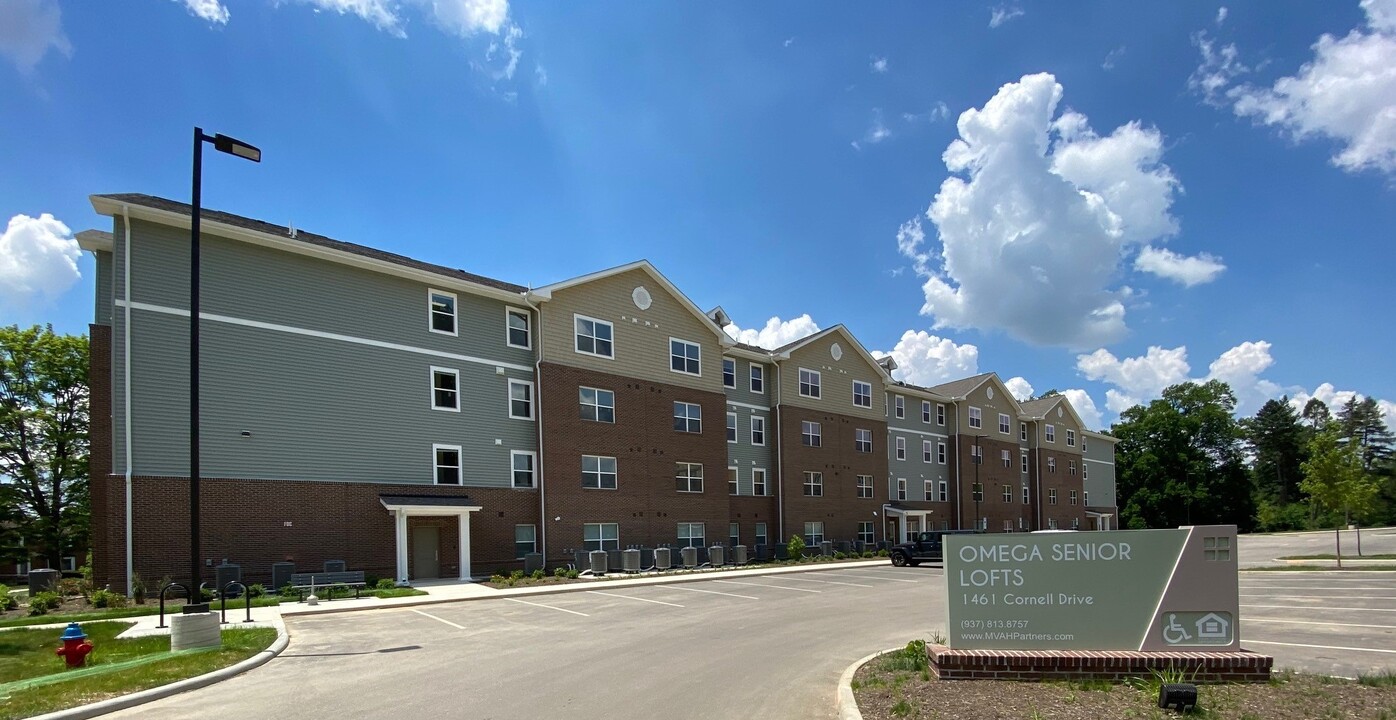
x=419 y=421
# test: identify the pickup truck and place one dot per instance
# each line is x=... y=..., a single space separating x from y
x=924 y=547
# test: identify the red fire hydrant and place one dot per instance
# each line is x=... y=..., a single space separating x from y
x=75 y=646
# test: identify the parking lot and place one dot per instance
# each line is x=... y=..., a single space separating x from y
x=1331 y=623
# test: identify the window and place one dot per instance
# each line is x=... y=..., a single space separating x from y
x=1052 y=496
x=1023 y=432
x=597 y=404
x=1076 y=523
x=521 y=399
x=926 y=411
x=516 y=327
x=862 y=440
x=977 y=490
x=761 y=533
x=809 y=433
x=1051 y=523
x=684 y=357
x=729 y=372
x=447 y=464
x=1083 y=471
x=814 y=534
x=901 y=448
x=441 y=308
x=601 y=536
x=731 y=480
x=598 y=472
x=1051 y=433
x=899 y=403
x=691 y=535
x=688 y=477
x=926 y=451
x=731 y=427
x=688 y=417
x=865 y=531
x=809 y=383
x=1085 y=497
x=758 y=430
x=734 y=534
x=1051 y=464
x=940 y=453
x=1005 y=426
x=525 y=540
x=976 y=418
x=865 y=486
x=901 y=488
x=594 y=337
x=1008 y=493
x=862 y=394
x=976 y=454
x=758 y=481
x=1071 y=438
x=1083 y=444
x=1008 y=525
x=521 y=463
x=943 y=491
x=814 y=484
x=445 y=389
x=1007 y=458
x=758 y=378
x=1025 y=463
x=928 y=490
x=940 y=415
x=1026 y=495
x=1071 y=497
x=1071 y=467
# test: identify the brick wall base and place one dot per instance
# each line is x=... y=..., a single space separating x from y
x=1199 y=667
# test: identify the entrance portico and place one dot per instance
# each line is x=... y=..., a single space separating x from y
x=404 y=506
x=906 y=522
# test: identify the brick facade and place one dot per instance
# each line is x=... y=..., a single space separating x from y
x=994 y=477
x=105 y=490
x=1064 y=482
x=839 y=507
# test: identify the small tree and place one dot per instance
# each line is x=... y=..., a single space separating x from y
x=795 y=549
x=1334 y=479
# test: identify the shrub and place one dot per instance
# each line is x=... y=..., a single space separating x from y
x=573 y=574
x=385 y=584
x=795 y=549
x=537 y=574
x=516 y=575
x=70 y=587
x=867 y=553
x=42 y=603
x=882 y=553
x=256 y=590
x=838 y=555
x=137 y=589
x=497 y=578
x=287 y=591
x=6 y=601
x=559 y=571
x=105 y=598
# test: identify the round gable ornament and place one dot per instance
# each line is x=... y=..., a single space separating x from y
x=836 y=351
x=1059 y=412
x=641 y=298
x=991 y=393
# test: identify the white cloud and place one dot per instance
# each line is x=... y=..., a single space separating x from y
x=1136 y=379
x=382 y=14
x=879 y=65
x=941 y=111
x=38 y=259
x=788 y=42
x=877 y=131
x=28 y=28
x=1033 y=240
x=468 y=17
x=1085 y=406
x=1189 y=271
x=1019 y=388
x=1346 y=92
x=210 y=10
x=925 y=359
x=1003 y=13
x=1112 y=57
x=504 y=54
x=1240 y=367
x=1221 y=14
x=1220 y=66
x=462 y=18
x=776 y=332
x=541 y=74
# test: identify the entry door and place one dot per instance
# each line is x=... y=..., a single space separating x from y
x=894 y=531
x=913 y=526
x=426 y=549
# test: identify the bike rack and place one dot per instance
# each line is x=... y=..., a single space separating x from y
x=164 y=590
x=223 y=602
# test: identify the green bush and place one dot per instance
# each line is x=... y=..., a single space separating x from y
x=537 y=575
x=497 y=578
x=287 y=591
x=882 y=553
x=137 y=589
x=867 y=553
x=42 y=603
x=516 y=575
x=70 y=587
x=795 y=549
x=105 y=598
x=573 y=574
x=256 y=590
x=559 y=571
x=385 y=584
x=839 y=555
x=6 y=601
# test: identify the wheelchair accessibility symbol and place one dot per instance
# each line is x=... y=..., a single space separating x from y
x=1197 y=629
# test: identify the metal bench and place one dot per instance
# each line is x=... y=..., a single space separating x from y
x=301 y=582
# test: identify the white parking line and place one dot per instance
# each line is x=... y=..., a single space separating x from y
x=1319 y=597
x=438 y=619
x=1292 y=607
x=764 y=585
x=713 y=592
x=827 y=582
x=628 y=597
x=550 y=607
x=878 y=577
x=1310 y=622
x=1309 y=587
x=1320 y=647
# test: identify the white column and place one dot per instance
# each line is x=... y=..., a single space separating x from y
x=464 y=545
x=400 y=518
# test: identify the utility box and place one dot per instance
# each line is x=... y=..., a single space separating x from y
x=689 y=556
x=781 y=552
x=662 y=559
x=334 y=566
x=738 y=554
x=598 y=562
x=281 y=573
x=581 y=559
x=826 y=548
x=42 y=580
x=647 y=558
x=614 y=559
x=533 y=561
x=843 y=546
x=715 y=556
x=630 y=560
x=226 y=573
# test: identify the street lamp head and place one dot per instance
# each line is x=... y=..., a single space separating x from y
x=233 y=146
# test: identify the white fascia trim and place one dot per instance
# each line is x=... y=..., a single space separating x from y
x=324 y=335
x=1102 y=462
x=749 y=406
x=104 y=206
x=882 y=373
x=94 y=241
x=735 y=351
x=891 y=430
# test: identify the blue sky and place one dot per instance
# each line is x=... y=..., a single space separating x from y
x=1105 y=198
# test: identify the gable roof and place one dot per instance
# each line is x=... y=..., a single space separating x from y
x=545 y=293
x=95 y=240
x=960 y=389
x=783 y=352
x=1038 y=409
x=166 y=209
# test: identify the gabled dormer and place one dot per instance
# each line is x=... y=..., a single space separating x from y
x=831 y=371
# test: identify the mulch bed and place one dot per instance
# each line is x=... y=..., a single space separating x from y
x=900 y=695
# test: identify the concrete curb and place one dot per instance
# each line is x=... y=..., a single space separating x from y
x=144 y=696
x=844 y=702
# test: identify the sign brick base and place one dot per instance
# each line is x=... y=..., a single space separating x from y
x=1199 y=667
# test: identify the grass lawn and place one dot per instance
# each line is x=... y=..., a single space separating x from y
x=1331 y=556
x=1318 y=568
x=27 y=654
x=149 y=608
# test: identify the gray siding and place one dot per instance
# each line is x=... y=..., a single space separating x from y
x=746 y=456
x=742 y=392
x=1100 y=473
x=102 y=310
x=914 y=468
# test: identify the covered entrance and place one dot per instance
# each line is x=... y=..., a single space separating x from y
x=424 y=542
x=1098 y=520
x=903 y=523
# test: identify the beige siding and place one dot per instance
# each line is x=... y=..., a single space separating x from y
x=836 y=378
x=1001 y=402
x=641 y=337
x=1062 y=420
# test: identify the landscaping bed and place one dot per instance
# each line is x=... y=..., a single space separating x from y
x=562 y=576
x=899 y=685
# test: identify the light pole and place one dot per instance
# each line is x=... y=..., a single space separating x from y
x=221 y=143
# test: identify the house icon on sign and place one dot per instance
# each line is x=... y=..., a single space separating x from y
x=1213 y=627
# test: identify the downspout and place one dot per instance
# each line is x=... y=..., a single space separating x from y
x=126 y=391
x=538 y=418
x=1037 y=460
x=780 y=453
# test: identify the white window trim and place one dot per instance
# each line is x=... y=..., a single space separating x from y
x=599 y=473
x=726 y=360
x=688 y=419
x=598 y=404
x=1005 y=424
x=818 y=382
x=942 y=491
x=942 y=453
x=751 y=379
x=765 y=481
x=926 y=452
x=455 y=312
x=899 y=406
x=735 y=425
x=534 y=471
x=460 y=462
x=1049 y=433
x=734 y=485
x=972 y=411
x=1071 y=438
x=528 y=316
x=926 y=412
x=445 y=371
x=754 y=418
x=532 y=399
x=673 y=340
x=1023 y=431
x=901 y=489
x=689 y=478
x=601 y=533
x=535 y=536
x=856 y=383
x=940 y=414
x=901 y=447
x=608 y=323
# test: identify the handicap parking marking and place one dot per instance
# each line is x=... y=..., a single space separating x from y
x=1292 y=607
x=877 y=577
x=713 y=592
x=826 y=582
x=438 y=619
x=765 y=585
x=1312 y=622
x=1319 y=647
x=630 y=597
x=550 y=607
